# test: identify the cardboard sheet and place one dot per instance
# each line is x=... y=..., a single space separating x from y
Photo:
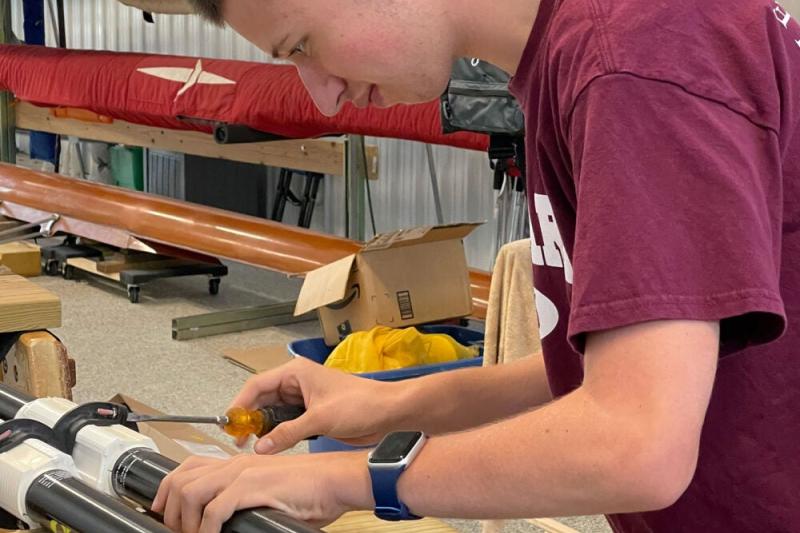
x=260 y=359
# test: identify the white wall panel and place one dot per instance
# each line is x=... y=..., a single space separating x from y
x=401 y=198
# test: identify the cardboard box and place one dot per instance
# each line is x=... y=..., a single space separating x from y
x=398 y=279
x=174 y=440
x=260 y=359
x=23 y=258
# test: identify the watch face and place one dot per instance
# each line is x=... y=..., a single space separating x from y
x=395 y=446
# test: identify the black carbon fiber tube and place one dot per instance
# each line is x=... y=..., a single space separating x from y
x=138 y=474
x=11 y=401
x=239 y=134
x=58 y=497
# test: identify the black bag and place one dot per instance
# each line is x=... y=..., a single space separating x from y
x=478 y=100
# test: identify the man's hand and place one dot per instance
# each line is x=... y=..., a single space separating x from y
x=203 y=493
x=361 y=411
x=338 y=405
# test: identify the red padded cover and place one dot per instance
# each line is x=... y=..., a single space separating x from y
x=156 y=90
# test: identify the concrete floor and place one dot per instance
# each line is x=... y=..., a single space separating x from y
x=124 y=348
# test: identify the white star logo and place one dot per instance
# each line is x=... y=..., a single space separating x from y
x=188 y=76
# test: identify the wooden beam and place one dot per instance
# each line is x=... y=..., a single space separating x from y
x=39 y=366
x=25 y=306
x=312 y=155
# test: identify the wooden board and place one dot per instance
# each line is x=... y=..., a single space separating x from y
x=24 y=306
x=552 y=526
x=366 y=522
x=39 y=365
x=23 y=258
x=313 y=155
x=87 y=265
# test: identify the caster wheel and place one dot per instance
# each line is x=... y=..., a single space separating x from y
x=51 y=269
x=133 y=295
x=213 y=286
x=69 y=272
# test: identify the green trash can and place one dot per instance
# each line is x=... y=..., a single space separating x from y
x=127 y=167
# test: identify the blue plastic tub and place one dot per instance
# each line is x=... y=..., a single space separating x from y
x=317 y=351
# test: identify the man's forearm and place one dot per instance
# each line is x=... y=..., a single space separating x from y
x=454 y=401
x=626 y=441
x=558 y=460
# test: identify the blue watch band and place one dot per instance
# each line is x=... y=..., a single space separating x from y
x=384 y=489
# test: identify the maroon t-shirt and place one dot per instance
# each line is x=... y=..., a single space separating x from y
x=664 y=183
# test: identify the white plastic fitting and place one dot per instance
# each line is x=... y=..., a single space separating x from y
x=97 y=449
x=21 y=466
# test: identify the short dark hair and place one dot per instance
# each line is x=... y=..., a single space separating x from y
x=210 y=10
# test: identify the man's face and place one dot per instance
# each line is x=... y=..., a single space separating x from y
x=379 y=52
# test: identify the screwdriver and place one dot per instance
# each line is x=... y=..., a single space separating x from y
x=237 y=422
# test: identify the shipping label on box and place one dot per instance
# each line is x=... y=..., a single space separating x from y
x=398 y=279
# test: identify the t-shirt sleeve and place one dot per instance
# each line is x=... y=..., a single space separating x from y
x=679 y=210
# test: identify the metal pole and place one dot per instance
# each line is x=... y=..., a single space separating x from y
x=8 y=145
x=356 y=174
x=437 y=201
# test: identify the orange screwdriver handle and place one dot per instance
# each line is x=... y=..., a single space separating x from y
x=243 y=422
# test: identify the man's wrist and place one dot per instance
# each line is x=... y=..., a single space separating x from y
x=401 y=410
x=353 y=482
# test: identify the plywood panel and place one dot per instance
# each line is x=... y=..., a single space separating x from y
x=366 y=522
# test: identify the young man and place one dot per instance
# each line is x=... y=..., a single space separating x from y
x=664 y=179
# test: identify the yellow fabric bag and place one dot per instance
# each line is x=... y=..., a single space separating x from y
x=383 y=348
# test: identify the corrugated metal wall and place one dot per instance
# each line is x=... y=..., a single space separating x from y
x=401 y=198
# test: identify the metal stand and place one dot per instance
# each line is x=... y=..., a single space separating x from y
x=306 y=203
x=219 y=323
x=70 y=258
x=23 y=231
x=356 y=176
x=8 y=143
x=437 y=201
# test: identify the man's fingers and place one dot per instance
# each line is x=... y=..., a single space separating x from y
x=287 y=435
x=196 y=494
x=259 y=390
x=272 y=387
x=245 y=492
x=164 y=488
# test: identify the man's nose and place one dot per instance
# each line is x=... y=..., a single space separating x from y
x=324 y=88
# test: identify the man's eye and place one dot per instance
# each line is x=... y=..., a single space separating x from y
x=299 y=49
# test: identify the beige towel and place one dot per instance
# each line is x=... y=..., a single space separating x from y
x=512 y=328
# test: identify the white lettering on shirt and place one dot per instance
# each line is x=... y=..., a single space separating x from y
x=547 y=312
x=552 y=252
x=783 y=17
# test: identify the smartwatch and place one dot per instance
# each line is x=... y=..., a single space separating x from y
x=386 y=463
